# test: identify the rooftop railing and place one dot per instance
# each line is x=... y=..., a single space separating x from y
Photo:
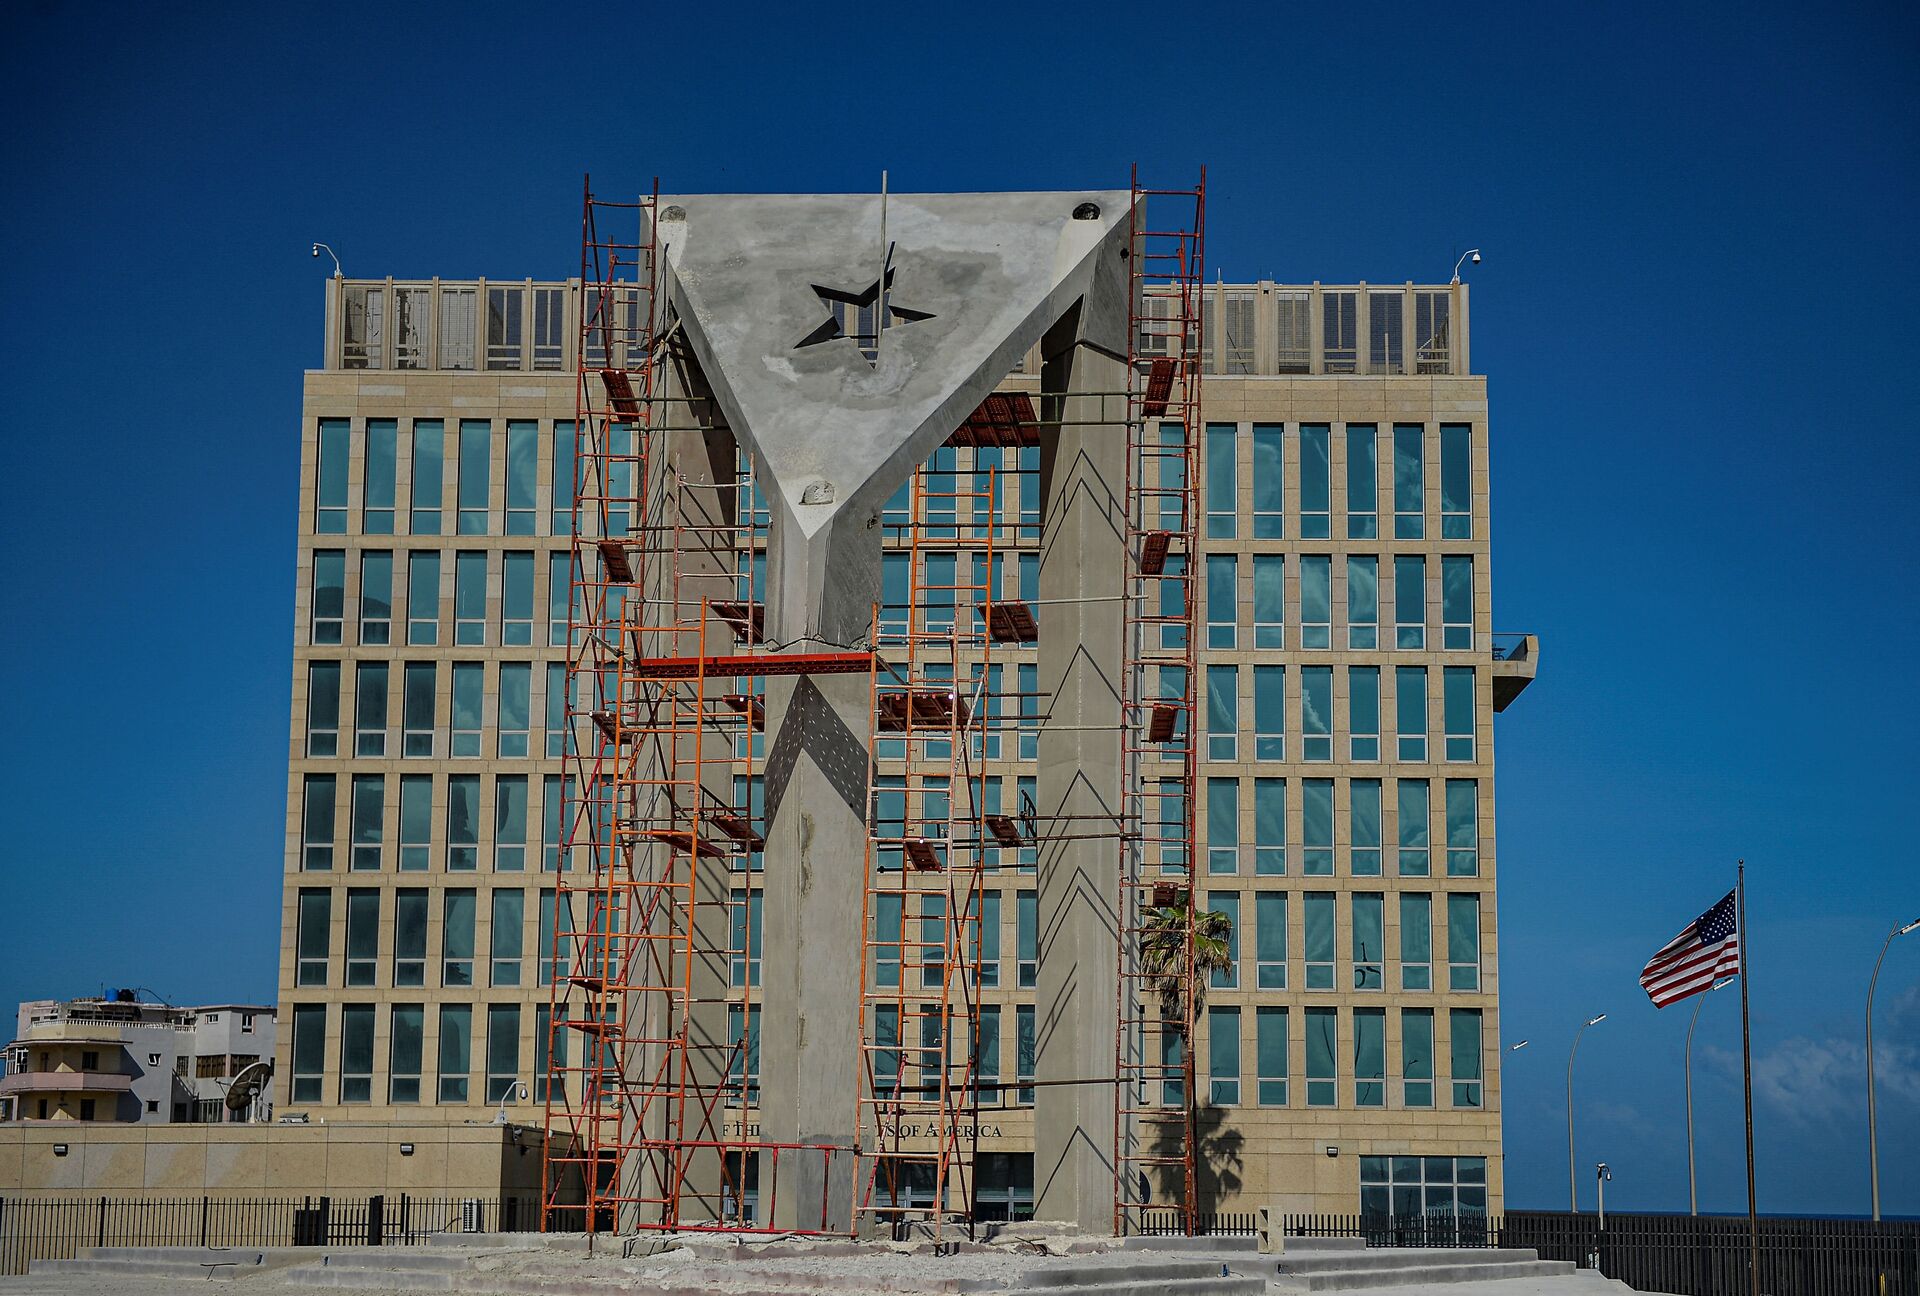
x=1511 y=647
x=1249 y=330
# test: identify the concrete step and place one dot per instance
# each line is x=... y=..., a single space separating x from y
x=1232 y=1285
x=1291 y=1262
x=1295 y=1245
x=366 y=1277
x=512 y=1241
x=412 y=1258
x=130 y=1269
x=238 y=1255
x=1153 y=1242
x=1081 y=1276
x=1413 y=1275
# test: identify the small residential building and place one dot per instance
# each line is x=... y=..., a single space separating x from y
x=119 y=1059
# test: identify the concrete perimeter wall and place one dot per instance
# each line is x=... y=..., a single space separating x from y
x=350 y=1160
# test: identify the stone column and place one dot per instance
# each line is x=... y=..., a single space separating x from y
x=701 y=457
x=1082 y=581
x=816 y=797
x=822 y=581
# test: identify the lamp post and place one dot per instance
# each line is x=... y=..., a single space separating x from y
x=1693 y=1197
x=1873 y=1128
x=1573 y=1182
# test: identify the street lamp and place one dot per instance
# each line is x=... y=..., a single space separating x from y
x=1873 y=1128
x=513 y=1090
x=1693 y=1198
x=1573 y=1183
x=336 y=260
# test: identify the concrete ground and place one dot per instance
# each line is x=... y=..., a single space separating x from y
x=776 y=1267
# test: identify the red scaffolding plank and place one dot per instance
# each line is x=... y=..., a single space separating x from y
x=754 y=665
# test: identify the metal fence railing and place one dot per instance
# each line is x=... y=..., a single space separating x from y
x=1169 y=1223
x=59 y=1228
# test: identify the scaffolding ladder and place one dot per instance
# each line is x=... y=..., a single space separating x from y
x=1154 y=1139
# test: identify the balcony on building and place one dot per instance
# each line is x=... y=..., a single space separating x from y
x=1516 y=657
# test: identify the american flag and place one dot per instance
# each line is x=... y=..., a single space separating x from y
x=1706 y=951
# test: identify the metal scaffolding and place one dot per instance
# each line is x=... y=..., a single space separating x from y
x=651 y=1035
x=1154 y=1138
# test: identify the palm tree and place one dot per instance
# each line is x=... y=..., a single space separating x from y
x=1179 y=968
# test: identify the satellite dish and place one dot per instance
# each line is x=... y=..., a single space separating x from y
x=248 y=1085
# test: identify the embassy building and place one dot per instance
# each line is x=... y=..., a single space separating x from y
x=1302 y=739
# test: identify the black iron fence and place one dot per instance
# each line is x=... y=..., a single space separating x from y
x=58 y=1228
x=1171 y=1222
x=1436 y=1230
x=1688 y=1255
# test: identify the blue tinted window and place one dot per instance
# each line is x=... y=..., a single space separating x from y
x=330 y=501
x=1363 y=483
x=428 y=476
x=1316 y=712
x=1409 y=482
x=1315 y=519
x=376 y=499
x=523 y=459
x=476 y=462
x=1269 y=485
x=1456 y=481
x=1222 y=480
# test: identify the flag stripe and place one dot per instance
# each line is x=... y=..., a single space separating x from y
x=1691 y=962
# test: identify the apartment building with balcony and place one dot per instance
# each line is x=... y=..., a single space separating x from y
x=126 y=1061
x=1349 y=676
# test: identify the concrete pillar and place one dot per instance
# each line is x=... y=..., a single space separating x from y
x=1083 y=556
x=816 y=808
x=702 y=454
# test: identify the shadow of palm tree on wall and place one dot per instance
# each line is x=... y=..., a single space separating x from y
x=1219 y=1157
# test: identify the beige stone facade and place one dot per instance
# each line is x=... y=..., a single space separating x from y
x=1303 y=374
x=346 y=1159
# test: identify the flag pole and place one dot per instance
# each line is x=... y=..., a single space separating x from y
x=1746 y=1058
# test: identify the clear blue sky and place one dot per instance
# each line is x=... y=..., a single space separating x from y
x=1697 y=313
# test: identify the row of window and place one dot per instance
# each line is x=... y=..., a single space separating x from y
x=508 y=712
x=504 y=962
x=380 y=484
x=921 y=811
x=1409 y=1056
x=1373 y=1056
x=1254 y=614
x=1369 y=826
x=407 y=1081
x=368 y=836
x=512 y=624
x=470 y=710
x=1313 y=704
x=1236 y=614
x=1381 y=476
x=910 y=949
x=1273 y=460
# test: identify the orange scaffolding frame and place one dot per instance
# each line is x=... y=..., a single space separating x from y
x=650 y=1043
x=665 y=704
x=927 y=840
x=1153 y=1135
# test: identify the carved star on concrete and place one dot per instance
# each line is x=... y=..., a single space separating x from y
x=852 y=315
